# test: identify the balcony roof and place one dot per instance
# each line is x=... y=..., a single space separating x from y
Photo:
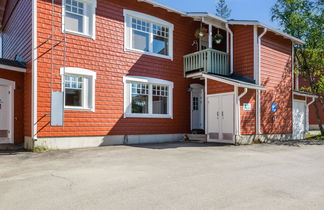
x=305 y=94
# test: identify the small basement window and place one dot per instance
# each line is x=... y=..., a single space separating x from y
x=79 y=88
x=148 y=97
x=148 y=35
x=79 y=17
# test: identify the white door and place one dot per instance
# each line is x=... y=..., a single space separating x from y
x=299 y=119
x=197 y=107
x=5 y=114
x=221 y=118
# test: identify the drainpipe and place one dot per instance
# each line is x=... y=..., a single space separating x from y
x=307 y=113
x=258 y=81
x=34 y=71
x=231 y=46
x=239 y=109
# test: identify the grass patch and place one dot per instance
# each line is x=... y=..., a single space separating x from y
x=314 y=137
x=40 y=149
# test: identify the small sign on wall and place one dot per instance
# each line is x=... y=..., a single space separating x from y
x=273 y=107
x=247 y=107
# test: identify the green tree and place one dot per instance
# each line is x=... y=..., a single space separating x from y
x=304 y=19
x=222 y=10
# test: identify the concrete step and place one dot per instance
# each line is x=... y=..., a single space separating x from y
x=11 y=147
x=197 y=137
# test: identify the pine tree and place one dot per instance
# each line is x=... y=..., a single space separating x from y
x=222 y=9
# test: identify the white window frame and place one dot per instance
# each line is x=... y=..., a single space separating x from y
x=91 y=6
x=72 y=71
x=150 y=81
x=152 y=20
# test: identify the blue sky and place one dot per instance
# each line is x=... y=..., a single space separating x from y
x=241 y=9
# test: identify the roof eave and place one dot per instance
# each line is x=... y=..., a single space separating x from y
x=169 y=9
x=257 y=23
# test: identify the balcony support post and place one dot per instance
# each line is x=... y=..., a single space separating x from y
x=210 y=36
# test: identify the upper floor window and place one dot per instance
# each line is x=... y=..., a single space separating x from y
x=79 y=17
x=147 y=34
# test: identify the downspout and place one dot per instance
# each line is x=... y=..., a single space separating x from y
x=34 y=70
x=231 y=47
x=307 y=113
x=238 y=108
x=258 y=81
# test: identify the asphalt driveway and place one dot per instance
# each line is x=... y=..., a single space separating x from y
x=166 y=176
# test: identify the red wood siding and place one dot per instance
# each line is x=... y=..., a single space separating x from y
x=243 y=50
x=248 y=118
x=214 y=87
x=17 y=77
x=107 y=57
x=276 y=76
x=17 y=40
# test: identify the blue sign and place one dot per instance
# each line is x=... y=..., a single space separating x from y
x=274 y=107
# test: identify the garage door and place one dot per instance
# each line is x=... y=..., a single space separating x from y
x=299 y=119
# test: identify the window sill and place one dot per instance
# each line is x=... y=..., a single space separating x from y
x=69 y=108
x=148 y=53
x=79 y=34
x=166 y=116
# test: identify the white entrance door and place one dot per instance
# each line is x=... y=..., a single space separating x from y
x=197 y=107
x=221 y=118
x=299 y=119
x=5 y=114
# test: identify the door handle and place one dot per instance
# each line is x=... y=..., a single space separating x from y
x=217 y=115
x=222 y=115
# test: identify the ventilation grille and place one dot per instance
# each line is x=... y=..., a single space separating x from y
x=213 y=135
x=4 y=133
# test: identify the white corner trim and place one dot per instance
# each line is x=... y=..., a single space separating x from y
x=34 y=71
x=12 y=68
x=78 y=71
x=148 y=80
x=148 y=17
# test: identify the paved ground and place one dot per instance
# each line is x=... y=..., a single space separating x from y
x=167 y=176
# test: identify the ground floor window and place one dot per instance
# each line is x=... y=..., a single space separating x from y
x=148 y=97
x=79 y=88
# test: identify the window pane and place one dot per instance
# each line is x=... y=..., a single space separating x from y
x=140 y=40
x=74 y=22
x=160 y=45
x=160 y=105
x=139 y=104
x=73 y=97
x=140 y=98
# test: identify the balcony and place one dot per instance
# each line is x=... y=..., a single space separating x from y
x=207 y=61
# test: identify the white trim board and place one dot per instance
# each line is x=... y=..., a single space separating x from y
x=12 y=68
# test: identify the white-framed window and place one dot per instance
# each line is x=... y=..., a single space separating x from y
x=79 y=88
x=79 y=17
x=148 y=97
x=148 y=35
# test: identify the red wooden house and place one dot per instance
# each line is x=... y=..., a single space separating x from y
x=100 y=72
